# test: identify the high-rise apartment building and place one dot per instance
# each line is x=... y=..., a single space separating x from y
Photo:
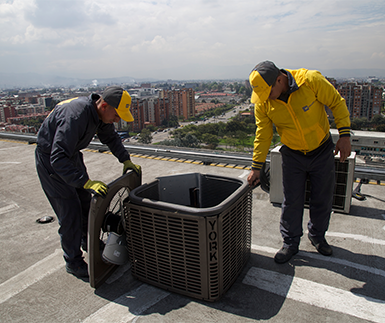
x=7 y=112
x=181 y=102
x=153 y=110
x=148 y=111
x=363 y=100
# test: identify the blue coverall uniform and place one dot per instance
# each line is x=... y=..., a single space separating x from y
x=67 y=130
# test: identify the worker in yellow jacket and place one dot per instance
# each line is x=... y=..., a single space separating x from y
x=294 y=101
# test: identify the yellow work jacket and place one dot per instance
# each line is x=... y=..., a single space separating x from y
x=302 y=122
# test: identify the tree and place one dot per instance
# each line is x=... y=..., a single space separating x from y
x=173 y=121
x=145 y=137
x=242 y=137
x=151 y=127
x=234 y=126
x=210 y=140
x=190 y=141
x=232 y=142
x=359 y=123
x=378 y=119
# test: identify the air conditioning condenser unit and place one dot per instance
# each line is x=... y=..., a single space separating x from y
x=342 y=196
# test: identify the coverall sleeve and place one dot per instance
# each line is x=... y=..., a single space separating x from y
x=263 y=136
x=108 y=136
x=65 y=159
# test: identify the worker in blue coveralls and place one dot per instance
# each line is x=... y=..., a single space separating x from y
x=294 y=101
x=67 y=130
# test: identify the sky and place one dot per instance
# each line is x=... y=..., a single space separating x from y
x=188 y=40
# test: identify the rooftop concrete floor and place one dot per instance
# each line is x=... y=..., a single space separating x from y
x=34 y=286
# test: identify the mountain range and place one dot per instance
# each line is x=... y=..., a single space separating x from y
x=35 y=80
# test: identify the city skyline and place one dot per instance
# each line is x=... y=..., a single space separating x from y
x=170 y=39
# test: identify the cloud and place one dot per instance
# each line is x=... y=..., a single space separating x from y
x=177 y=39
x=378 y=55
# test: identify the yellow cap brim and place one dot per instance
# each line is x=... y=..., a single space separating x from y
x=261 y=90
x=261 y=96
x=123 y=109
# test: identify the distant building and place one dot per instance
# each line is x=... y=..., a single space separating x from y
x=366 y=143
x=29 y=109
x=45 y=101
x=362 y=100
x=148 y=111
x=200 y=108
x=7 y=112
x=181 y=102
x=191 y=85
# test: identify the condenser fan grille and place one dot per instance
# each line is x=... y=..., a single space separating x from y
x=341 y=189
x=165 y=249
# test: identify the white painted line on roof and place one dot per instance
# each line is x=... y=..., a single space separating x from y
x=315 y=294
x=16 y=147
x=33 y=274
x=8 y=208
x=332 y=259
x=128 y=306
x=358 y=237
x=10 y=162
x=244 y=174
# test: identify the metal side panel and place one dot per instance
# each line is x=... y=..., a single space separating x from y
x=344 y=181
x=98 y=269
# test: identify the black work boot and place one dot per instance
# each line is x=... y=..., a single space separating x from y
x=321 y=245
x=80 y=270
x=284 y=255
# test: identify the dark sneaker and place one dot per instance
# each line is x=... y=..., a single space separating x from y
x=284 y=255
x=78 y=270
x=321 y=245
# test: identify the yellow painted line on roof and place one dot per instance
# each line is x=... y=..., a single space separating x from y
x=371 y=182
x=17 y=141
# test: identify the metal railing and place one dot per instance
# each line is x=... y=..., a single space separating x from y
x=367 y=172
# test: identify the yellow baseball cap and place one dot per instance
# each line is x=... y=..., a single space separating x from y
x=118 y=98
x=262 y=78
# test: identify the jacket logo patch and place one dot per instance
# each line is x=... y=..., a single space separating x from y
x=307 y=107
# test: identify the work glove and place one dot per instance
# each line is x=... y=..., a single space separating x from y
x=96 y=187
x=128 y=164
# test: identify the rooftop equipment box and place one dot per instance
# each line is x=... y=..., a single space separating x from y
x=342 y=196
x=190 y=233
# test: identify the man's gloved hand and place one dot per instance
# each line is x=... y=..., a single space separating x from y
x=96 y=187
x=128 y=164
